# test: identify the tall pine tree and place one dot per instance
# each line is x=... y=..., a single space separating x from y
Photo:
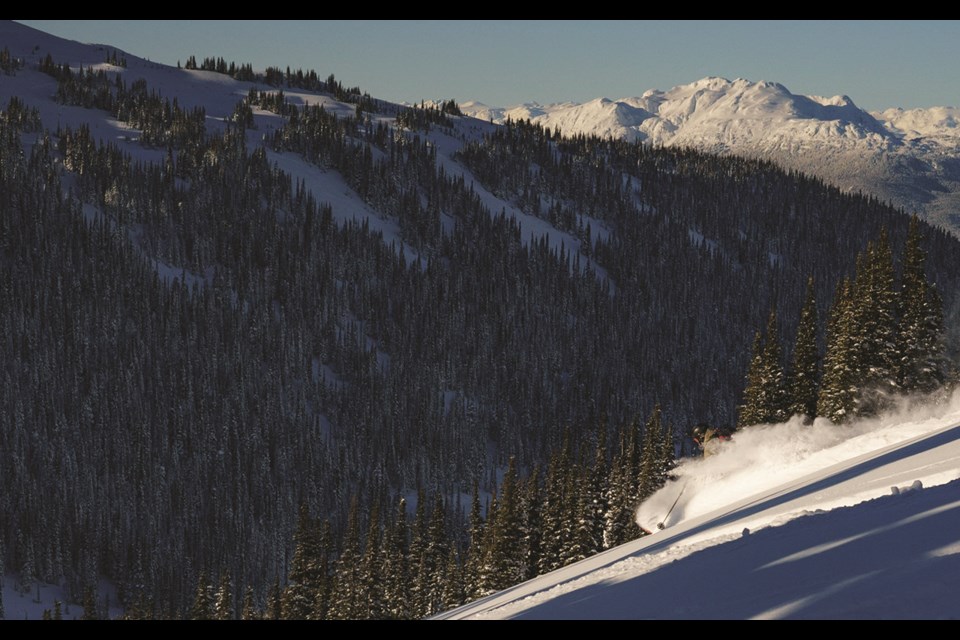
x=765 y=398
x=805 y=373
x=202 y=608
x=301 y=591
x=875 y=329
x=835 y=399
x=921 y=366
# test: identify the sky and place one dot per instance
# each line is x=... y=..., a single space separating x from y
x=879 y=64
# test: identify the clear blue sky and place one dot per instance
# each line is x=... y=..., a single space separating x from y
x=878 y=64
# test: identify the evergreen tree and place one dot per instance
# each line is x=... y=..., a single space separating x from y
x=922 y=366
x=202 y=608
x=304 y=581
x=532 y=527
x=835 y=400
x=371 y=574
x=503 y=557
x=555 y=527
x=320 y=573
x=249 y=610
x=346 y=602
x=396 y=586
x=274 y=609
x=417 y=560
x=90 y=604
x=474 y=561
x=577 y=541
x=436 y=557
x=875 y=335
x=595 y=491
x=452 y=594
x=487 y=568
x=623 y=488
x=223 y=607
x=765 y=398
x=774 y=394
x=751 y=411
x=653 y=472
x=805 y=373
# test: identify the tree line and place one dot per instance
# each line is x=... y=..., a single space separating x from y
x=387 y=566
x=883 y=339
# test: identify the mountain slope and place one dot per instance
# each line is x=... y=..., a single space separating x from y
x=749 y=542
x=907 y=157
x=227 y=299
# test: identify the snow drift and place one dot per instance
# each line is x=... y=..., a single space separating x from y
x=764 y=456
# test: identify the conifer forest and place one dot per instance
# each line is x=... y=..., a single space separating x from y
x=230 y=401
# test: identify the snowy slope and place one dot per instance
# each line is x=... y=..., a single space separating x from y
x=219 y=94
x=911 y=158
x=788 y=521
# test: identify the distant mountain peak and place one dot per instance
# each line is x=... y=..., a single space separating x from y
x=907 y=157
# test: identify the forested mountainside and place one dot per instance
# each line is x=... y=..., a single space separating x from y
x=197 y=339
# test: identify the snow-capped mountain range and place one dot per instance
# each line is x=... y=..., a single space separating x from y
x=908 y=157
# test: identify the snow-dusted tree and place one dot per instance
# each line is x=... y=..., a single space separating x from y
x=436 y=557
x=576 y=544
x=875 y=328
x=653 y=465
x=249 y=610
x=805 y=372
x=922 y=366
x=320 y=572
x=274 y=610
x=555 y=528
x=90 y=611
x=474 y=561
x=370 y=577
x=593 y=506
x=765 y=398
x=532 y=526
x=203 y=600
x=452 y=594
x=223 y=605
x=623 y=486
x=416 y=560
x=304 y=580
x=346 y=602
x=503 y=555
x=835 y=399
x=751 y=411
x=396 y=586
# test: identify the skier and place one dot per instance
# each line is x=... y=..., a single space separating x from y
x=708 y=439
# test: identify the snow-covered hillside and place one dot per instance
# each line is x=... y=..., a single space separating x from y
x=907 y=157
x=787 y=521
x=219 y=94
